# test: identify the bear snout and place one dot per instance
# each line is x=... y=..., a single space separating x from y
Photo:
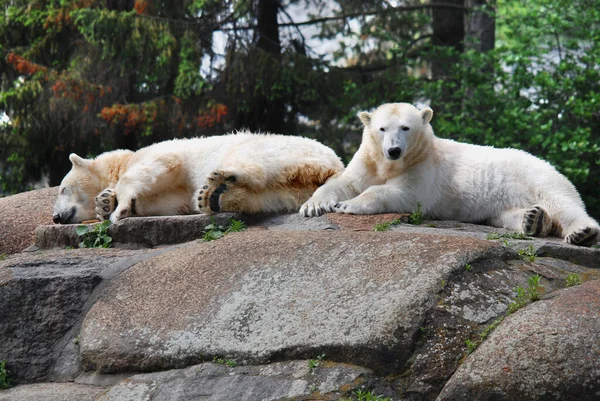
x=394 y=153
x=64 y=217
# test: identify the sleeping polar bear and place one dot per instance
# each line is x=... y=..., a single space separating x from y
x=401 y=163
x=240 y=172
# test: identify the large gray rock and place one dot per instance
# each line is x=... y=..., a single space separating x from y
x=43 y=296
x=212 y=382
x=549 y=350
x=360 y=297
x=52 y=392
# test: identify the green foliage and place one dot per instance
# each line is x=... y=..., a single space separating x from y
x=94 y=237
x=363 y=395
x=416 y=217
x=515 y=235
x=387 y=225
x=471 y=346
x=227 y=362
x=526 y=295
x=5 y=381
x=468 y=267
x=573 y=279
x=528 y=254
x=315 y=363
x=2 y=257
x=215 y=231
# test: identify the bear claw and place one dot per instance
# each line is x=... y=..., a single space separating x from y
x=106 y=203
x=536 y=221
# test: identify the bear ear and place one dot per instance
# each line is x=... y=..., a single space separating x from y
x=426 y=114
x=365 y=118
x=78 y=161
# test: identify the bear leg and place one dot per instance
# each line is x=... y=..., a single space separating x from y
x=106 y=203
x=219 y=185
x=537 y=222
x=585 y=234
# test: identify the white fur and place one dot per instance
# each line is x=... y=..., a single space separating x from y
x=451 y=180
x=165 y=178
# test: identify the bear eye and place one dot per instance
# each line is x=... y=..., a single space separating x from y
x=382 y=129
x=405 y=128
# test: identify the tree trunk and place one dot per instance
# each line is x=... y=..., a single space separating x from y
x=448 y=31
x=481 y=27
x=268 y=112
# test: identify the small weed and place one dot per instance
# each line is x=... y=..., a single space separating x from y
x=94 y=237
x=505 y=242
x=596 y=246
x=490 y=327
x=369 y=396
x=386 y=226
x=4 y=376
x=528 y=254
x=313 y=388
x=423 y=329
x=227 y=362
x=524 y=296
x=471 y=345
x=215 y=231
x=2 y=257
x=315 y=363
x=431 y=225
x=416 y=217
x=443 y=284
x=515 y=235
x=468 y=267
x=573 y=279
x=69 y=247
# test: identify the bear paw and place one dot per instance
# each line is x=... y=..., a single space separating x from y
x=536 y=221
x=209 y=195
x=314 y=209
x=106 y=203
x=585 y=236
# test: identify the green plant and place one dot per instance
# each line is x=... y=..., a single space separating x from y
x=215 y=231
x=468 y=267
x=416 y=217
x=573 y=279
x=222 y=361
x=94 y=237
x=431 y=225
x=5 y=381
x=386 y=226
x=490 y=327
x=528 y=254
x=369 y=396
x=494 y=235
x=596 y=246
x=313 y=387
x=443 y=283
x=524 y=296
x=2 y=257
x=315 y=363
x=471 y=345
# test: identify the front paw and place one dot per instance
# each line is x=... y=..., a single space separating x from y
x=315 y=209
x=583 y=236
x=350 y=207
x=106 y=203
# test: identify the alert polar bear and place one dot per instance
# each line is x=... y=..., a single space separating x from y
x=241 y=172
x=401 y=163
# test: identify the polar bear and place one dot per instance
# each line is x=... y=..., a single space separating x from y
x=240 y=172
x=401 y=163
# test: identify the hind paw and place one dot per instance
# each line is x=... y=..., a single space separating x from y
x=585 y=236
x=536 y=221
x=106 y=203
x=209 y=195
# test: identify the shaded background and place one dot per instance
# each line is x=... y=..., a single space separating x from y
x=94 y=75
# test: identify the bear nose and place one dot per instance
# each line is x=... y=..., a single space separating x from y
x=56 y=219
x=394 y=152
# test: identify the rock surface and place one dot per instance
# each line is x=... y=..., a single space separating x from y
x=547 y=351
x=19 y=216
x=397 y=306
x=213 y=382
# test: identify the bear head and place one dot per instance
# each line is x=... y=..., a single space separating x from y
x=396 y=126
x=75 y=202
